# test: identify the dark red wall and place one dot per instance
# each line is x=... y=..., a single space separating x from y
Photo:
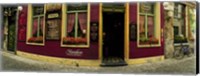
x=53 y=48
x=22 y=24
x=136 y=52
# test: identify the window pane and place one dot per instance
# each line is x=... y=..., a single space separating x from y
x=82 y=24
x=176 y=22
x=41 y=25
x=35 y=27
x=74 y=7
x=176 y=10
x=150 y=26
x=175 y=30
x=179 y=22
x=147 y=8
x=183 y=27
x=38 y=9
x=70 y=24
x=142 y=25
x=113 y=4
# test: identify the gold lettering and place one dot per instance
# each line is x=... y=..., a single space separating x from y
x=53 y=15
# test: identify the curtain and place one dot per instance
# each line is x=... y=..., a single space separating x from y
x=35 y=26
x=142 y=26
x=70 y=22
x=150 y=26
x=41 y=24
x=82 y=18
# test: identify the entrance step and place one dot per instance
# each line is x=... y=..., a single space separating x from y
x=113 y=61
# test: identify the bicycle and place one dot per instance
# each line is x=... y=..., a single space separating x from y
x=180 y=53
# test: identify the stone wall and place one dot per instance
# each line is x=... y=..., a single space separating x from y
x=168 y=29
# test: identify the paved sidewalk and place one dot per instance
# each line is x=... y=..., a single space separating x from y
x=187 y=65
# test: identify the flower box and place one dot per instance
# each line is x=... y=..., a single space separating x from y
x=180 y=39
x=36 y=39
x=144 y=43
x=153 y=40
x=72 y=40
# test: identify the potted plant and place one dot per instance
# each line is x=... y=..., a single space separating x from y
x=83 y=40
x=39 y=39
x=153 y=40
x=68 y=40
x=32 y=39
x=36 y=39
x=144 y=40
x=180 y=39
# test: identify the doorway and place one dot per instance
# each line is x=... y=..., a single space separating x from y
x=113 y=38
x=10 y=28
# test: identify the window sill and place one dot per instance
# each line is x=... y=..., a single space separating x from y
x=149 y=45
x=179 y=44
x=75 y=46
x=38 y=44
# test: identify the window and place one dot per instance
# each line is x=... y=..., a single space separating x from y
x=191 y=23
x=179 y=23
x=36 y=26
x=76 y=26
x=148 y=28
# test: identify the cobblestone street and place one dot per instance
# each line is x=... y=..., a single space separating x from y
x=187 y=65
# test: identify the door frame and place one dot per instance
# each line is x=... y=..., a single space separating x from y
x=126 y=32
x=16 y=29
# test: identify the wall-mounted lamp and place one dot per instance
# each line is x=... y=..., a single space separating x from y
x=20 y=8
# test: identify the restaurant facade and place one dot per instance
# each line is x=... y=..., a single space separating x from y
x=94 y=34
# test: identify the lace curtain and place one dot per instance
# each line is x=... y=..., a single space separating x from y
x=150 y=27
x=35 y=26
x=70 y=22
x=82 y=18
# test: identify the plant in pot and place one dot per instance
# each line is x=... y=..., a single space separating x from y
x=180 y=39
x=80 y=40
x=143 y=39
x=68 y=40
x=83 y=41
x=39 y=39
x=153 y=40
x=32 y=39
x=36 y=39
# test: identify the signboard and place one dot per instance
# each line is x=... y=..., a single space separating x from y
x=133 y=32
x=53 y=22
x=53 y=29
x=94 y=36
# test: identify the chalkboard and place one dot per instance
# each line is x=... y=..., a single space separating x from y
x=53 y=25
x=94 y=30
x=133 y=32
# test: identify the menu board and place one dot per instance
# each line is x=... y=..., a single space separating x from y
x=53 y=25
x=94 y=31
x=53 y=29
x=133 y=32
